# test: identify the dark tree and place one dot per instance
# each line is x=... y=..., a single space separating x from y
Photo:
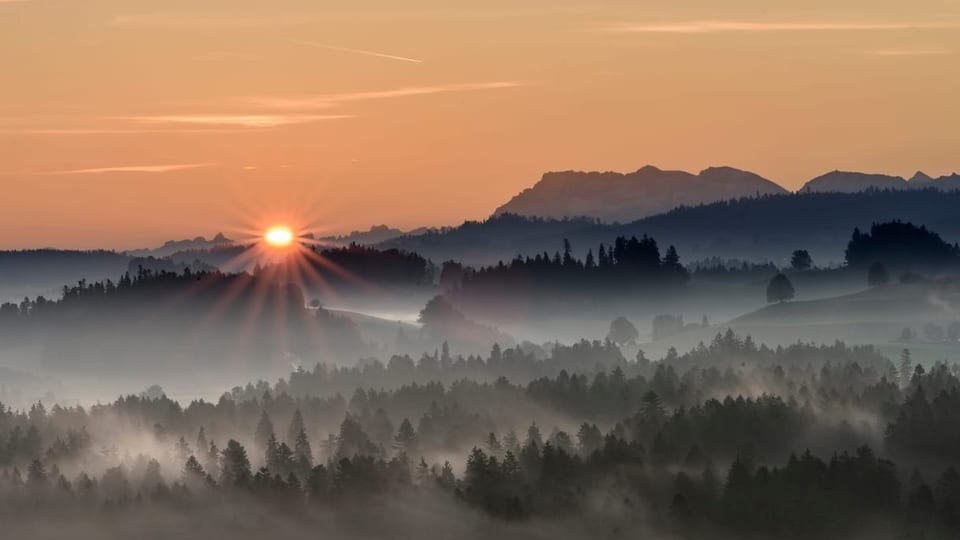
x=902 y=246
x=623 y=332
x=234 y=465
x=779 y=289
x=264 y=432
x=801 y=260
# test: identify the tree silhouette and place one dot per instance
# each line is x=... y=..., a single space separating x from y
x=801 y=260
x=902 y=246
x=234 y=465
x=779 y=289
x=623 y=332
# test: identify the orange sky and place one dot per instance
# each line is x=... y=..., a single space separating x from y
x=124 y=123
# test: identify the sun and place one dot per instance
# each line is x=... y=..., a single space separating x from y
x=279 y=236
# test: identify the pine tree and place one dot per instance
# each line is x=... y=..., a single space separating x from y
x=296 y=426
x=906 y=368
x=235 y=465
x=201 y=440
x=511 y=442
x=493 y=446
x=534 y=438
x=406 y=439
x=447 y=480
x=212 y=462
x=264 y=432
x=192 y=470
x=303 y=454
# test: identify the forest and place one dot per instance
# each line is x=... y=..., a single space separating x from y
x=826 y=440
x=455 y=425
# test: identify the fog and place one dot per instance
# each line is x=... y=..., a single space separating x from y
x=618 y=393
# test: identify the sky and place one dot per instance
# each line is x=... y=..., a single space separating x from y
x=125 y=123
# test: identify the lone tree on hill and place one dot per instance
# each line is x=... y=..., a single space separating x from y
x=779 y=289
x=622 y=331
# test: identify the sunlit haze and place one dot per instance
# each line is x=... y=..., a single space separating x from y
x=158 y=120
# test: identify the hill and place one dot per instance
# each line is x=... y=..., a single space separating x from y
x=45 y=271
x=767 y=227
x=914 y=303
x=613 y=196
x=876 y=316
x=376 y=234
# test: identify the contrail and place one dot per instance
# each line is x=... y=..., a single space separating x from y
x=359 y=51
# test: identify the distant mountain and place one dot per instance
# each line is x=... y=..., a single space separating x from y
x=376 y=234
x=613 y=196
x=768 y=227
x=948 y=182
x=920 y=178
x=173 y=246
x=851 y=182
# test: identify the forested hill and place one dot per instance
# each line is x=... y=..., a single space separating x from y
x=40 y=271
x=155 y=322
x=764 y=227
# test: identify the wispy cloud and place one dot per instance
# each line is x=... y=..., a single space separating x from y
x=206 y=123
x=108 y=131
x=135 y=169
x=236 y=120
x=177 y=124
x=329 y=100
x=727 y=26
x=358 y=51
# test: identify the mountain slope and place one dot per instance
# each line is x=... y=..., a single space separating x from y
x=174 y=246
x=850 y=182
x=768 y=227
x=613 y=196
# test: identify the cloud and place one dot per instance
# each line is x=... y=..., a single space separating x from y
x=136 y=169
x=182 y=124
x=329 y=100
x=190 y=123
x=358 y=51
x=236 y=120
x=107 y=131
x=719 y=26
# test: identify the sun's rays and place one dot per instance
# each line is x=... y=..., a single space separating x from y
x=251 y=296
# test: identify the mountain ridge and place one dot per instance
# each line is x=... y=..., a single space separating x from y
x=624 y=197
x=768 y=227
x=618 y=196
